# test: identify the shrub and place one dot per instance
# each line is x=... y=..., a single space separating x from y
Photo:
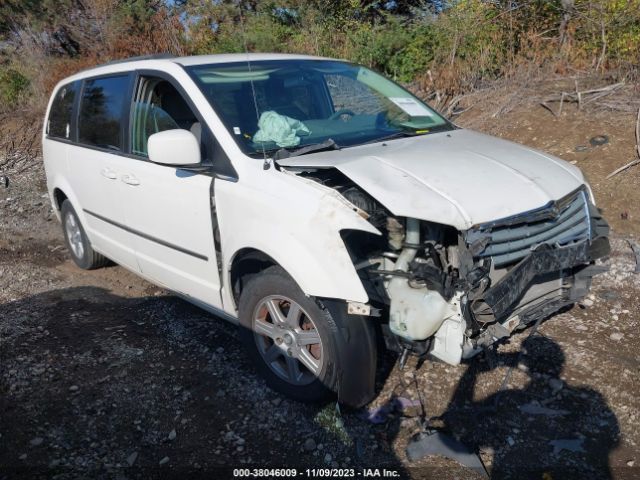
x=13 y=85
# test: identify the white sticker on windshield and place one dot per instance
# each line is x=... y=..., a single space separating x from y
x=411 y=106
x=236 y=130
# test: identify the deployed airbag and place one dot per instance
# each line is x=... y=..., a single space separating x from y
x=282 y=130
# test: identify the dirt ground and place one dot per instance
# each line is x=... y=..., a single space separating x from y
x=103 y=375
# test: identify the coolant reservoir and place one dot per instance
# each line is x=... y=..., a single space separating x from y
x=415 y=314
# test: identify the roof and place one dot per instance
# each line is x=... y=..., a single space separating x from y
x=154 y=60
x=208 y=59
x=241 y=57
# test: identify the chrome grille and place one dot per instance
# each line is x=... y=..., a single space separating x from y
x=510 y=240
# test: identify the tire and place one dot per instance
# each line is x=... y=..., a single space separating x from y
x=311 y=333
x=77 y=241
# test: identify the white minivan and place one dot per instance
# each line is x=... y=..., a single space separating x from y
x=318 y=205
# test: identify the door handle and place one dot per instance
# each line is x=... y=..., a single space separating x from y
x=110 y=174
x=130 y=180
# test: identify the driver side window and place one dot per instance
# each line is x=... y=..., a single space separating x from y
x=158 y=106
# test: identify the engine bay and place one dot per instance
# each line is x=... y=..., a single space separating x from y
x=436 y=290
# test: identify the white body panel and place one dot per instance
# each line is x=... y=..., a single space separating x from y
x=171 y=210
x=94 y=180
x=55 y=167
x=294 y=221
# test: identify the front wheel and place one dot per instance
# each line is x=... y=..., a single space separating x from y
x=297 y=343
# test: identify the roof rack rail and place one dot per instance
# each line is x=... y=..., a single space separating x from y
x=155 y=56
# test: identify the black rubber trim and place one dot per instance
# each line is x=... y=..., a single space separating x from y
x=544 y=259
x=148 y=237
x=356 y=346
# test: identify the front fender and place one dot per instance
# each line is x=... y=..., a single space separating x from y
x=298 y=225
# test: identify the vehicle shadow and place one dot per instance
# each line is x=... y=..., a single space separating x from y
x=94 y=365
x=548 y=429
x=89 y=378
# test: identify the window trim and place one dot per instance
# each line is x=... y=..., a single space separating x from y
x=124 y=116
x=224 y=170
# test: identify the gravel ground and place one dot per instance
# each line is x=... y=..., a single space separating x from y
x=103 y=375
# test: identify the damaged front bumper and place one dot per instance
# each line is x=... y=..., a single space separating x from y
x=502 y=297
x=450 y=293
x=571 y=267
x=550 y=276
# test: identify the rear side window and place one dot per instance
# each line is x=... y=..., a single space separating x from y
x=59 y=123
x=101 y=112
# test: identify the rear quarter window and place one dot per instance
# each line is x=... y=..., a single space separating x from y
x=101 y=112
x=59 y=122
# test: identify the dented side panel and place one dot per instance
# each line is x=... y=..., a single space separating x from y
x=297 y=223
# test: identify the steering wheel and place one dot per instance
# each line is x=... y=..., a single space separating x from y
x=339 y=113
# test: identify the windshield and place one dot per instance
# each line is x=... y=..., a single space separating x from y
x=269 y=105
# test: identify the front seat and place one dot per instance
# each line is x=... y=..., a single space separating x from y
x=177 y=108
x=280 y=101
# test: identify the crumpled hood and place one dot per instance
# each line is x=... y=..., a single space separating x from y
x=459 y=178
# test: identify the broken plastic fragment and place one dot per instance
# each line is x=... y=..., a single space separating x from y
x=438 y=443
x=379 y=414
x=402 y=403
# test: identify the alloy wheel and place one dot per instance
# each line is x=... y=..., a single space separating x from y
x=288 y=339
x=74 y=234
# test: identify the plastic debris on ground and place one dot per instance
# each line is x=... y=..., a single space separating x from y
x=379 y=415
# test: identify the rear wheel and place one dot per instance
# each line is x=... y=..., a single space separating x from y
x=77 y=241
x=297 y=343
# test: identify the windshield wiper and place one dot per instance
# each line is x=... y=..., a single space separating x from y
x=328 y=144
x=407 y=133
x=392 y=136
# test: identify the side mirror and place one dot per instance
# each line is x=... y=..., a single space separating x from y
x=174 y=147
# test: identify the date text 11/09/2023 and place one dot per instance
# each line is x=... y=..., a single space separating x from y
x=315 y=473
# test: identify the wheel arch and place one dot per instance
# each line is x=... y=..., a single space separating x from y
x=245 y=263
x=59 y=190
x=321 y=274
x=58 y=198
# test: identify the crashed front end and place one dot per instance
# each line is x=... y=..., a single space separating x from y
x=451 y=293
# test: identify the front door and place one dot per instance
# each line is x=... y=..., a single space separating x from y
x=167 y=208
